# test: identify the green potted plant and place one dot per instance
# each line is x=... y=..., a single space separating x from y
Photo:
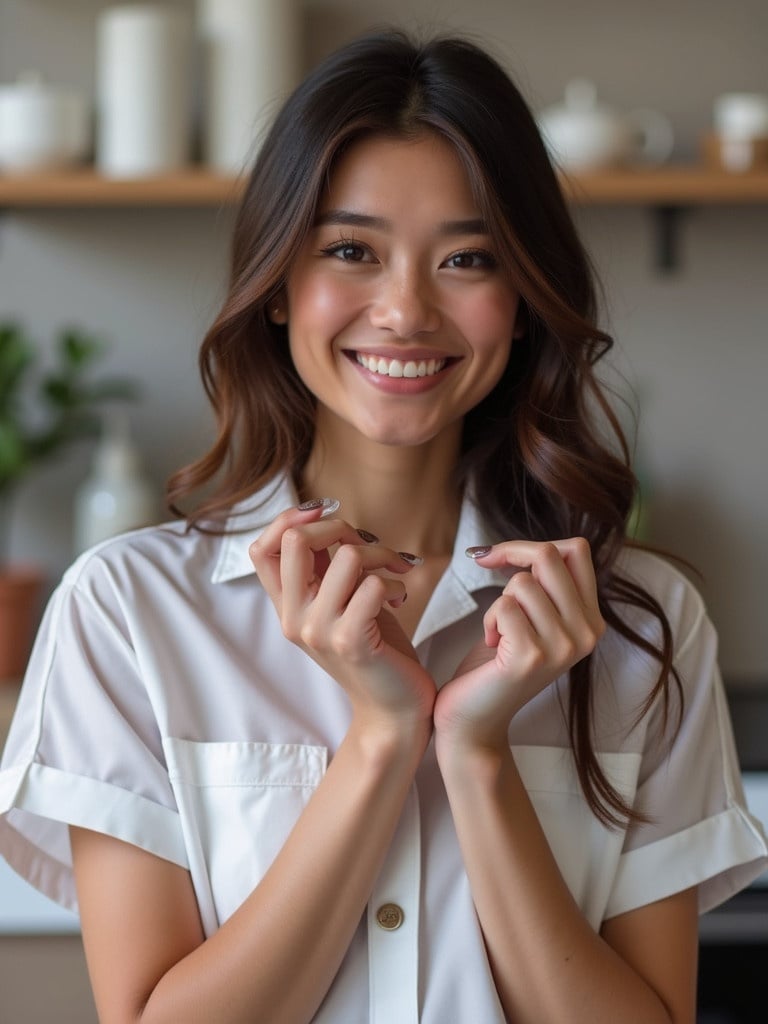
x=41 y=412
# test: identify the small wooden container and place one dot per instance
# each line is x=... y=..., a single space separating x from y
x=735 y=155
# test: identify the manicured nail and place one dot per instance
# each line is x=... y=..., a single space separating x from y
x=478 y=552
x=369 y=538
x=328 y=505
x=409 y=558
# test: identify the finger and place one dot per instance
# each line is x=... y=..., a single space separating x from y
x=353 y=629
x=304 y=558
x=542 y=613
x=370 y=596
x=577 y=555
x=551 y=574
x=564 y=638
x=507 y=618
x=323 y=532
x=546 y=560
x=549 y=597
x=349 y=566
x=266 y=551
x=268 y=543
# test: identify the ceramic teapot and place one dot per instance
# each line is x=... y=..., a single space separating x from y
x=41 y=127
x=582 y=134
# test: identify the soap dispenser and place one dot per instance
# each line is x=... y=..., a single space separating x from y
x=116 y=496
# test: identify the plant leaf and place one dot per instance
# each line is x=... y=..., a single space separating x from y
x=12 y=451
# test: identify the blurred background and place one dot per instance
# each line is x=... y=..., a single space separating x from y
x=685 y=292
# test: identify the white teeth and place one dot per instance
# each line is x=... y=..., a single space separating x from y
x=396 y=368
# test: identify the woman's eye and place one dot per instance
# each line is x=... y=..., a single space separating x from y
x=347 y=252
x=471 y=259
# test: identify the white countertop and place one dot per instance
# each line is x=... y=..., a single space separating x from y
x=25 y=911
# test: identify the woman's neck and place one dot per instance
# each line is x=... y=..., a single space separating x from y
x=406 y=496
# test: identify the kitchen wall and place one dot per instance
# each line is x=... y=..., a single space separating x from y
x=692 y=342
x=43 y=980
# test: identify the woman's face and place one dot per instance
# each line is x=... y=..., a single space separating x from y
x=400 y=318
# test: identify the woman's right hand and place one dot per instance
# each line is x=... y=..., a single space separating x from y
x=328 y=587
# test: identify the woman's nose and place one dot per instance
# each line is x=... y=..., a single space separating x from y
x=405 y=305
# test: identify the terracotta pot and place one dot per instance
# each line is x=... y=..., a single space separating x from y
x=20 y=594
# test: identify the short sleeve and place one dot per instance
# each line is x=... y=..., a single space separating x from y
x=699 y=831
x=84 y=746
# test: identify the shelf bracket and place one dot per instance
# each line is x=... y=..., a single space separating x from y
x=667 y=217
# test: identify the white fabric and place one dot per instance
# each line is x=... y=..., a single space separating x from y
x=162 y=705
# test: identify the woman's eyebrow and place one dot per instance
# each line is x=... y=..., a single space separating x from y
x=473 y=226
x=351 y=218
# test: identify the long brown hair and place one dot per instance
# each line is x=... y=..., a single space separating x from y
x=544 y=450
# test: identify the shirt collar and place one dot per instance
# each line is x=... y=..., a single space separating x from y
x=473 y=532
x=248 y=520
x=250 y=517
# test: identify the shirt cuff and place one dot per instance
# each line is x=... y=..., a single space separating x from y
x=720 y=855
x=39 y=803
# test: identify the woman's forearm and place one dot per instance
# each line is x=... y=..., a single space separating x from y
x=278 y=954
x=548 y=962
x=275 y=958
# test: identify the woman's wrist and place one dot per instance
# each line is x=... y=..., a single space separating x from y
x=466 y=758
x=386 y=739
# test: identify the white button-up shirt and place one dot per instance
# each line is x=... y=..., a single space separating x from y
x=164 y=706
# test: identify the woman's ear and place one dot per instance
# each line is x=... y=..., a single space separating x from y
x=277 y=310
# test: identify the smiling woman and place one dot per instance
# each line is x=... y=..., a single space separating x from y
x=397 y=724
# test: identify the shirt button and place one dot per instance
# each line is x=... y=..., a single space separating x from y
x=389 y=917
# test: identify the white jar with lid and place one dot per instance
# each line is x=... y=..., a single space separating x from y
x=42 y=127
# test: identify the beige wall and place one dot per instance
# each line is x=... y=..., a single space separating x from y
x=693 y=342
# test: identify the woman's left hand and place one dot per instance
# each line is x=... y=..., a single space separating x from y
x=546 y=619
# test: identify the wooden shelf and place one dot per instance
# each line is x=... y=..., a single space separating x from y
x=85 y=188
x=681 y=185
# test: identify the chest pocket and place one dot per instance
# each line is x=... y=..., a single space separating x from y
x=238 y=802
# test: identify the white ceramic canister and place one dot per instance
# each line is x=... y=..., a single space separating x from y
x=42 y=127
x=144 y=90
x=252 y=58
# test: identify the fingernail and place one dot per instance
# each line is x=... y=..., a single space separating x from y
x=369 y=538
x=328 y=505
x=478 y=552
x=409 y=558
